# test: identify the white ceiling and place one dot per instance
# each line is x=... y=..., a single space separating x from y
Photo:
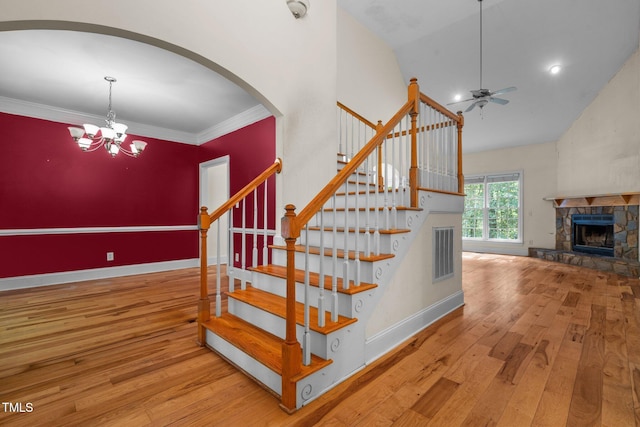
x=435 y=41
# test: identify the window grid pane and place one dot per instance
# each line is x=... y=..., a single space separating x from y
x=501 y=212
x=473 y=216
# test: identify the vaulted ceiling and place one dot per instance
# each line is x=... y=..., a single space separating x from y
x=436 y=41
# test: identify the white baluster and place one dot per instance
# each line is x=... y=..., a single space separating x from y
x=243 y=281
x=367 y=213
x=231 y=256
x=218 y=272
x=334 y=257
x=385 y=174
x=345 y=231
x=306 y=340
x=356 y=232
x=394 y=191
x=321 y=307
x=265 y=226
x=376 y=215
x=254 y=252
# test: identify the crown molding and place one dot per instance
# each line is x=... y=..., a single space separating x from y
x=61 y=115
x=246 y=118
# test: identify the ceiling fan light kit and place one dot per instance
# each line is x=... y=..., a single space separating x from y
x=482 y=97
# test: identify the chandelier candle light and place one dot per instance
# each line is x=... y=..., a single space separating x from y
x=91 y=137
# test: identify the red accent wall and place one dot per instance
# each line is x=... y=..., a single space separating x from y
x=46 y=181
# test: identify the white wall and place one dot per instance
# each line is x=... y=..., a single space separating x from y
x=538 y=163
x=369 y=77
x=600 y=153
x=412 y=289
x=288 y=64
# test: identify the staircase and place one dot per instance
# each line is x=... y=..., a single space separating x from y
x=298 y=324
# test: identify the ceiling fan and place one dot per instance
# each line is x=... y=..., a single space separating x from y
x=482 y=97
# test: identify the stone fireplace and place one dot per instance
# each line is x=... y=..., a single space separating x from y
x=598 y=232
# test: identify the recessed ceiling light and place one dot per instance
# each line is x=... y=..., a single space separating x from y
x=457 y=97
x=555 y=69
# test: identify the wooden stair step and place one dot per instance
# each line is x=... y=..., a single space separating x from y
x=258 y=343
x=328 y=252
x=314 y=279
x=276 y=305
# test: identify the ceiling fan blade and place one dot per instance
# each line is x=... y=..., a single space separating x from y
x=459 y=102
x=470 y=107
x=505 y=90
x=499 y=100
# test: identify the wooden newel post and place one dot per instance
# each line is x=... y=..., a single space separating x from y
x=414 y=97
x=204 y=305
x=460 y=174
x=291 y=350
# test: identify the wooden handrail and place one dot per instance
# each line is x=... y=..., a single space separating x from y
x=276 y=167
x=437 y=106
x=356 y=115
x=332 y=187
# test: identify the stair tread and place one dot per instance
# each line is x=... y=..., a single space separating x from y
x=258 y=343
x=314 y=279
x=276 y=305
x=328 y=252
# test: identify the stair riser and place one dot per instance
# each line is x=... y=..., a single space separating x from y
x=245 y=362
x=383 y=218
x=401 y=199
x=351 y=186
x=277 y=286
x=320 y=343
x=385 y=241
x=367 y=268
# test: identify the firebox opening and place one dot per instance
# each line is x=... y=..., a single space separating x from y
x=593 y=234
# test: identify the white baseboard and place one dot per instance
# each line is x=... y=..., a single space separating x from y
x=32 y=281
x=516 y=249
x=383 y=342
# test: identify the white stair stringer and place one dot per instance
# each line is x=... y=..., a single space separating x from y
x=347 y=347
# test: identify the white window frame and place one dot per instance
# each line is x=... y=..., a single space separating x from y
x=486 y=178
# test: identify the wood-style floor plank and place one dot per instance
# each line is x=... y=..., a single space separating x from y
x=537 y=344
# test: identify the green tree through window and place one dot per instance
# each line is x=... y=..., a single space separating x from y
x=492 y=207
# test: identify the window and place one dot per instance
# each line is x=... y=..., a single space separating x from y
x=492 y=207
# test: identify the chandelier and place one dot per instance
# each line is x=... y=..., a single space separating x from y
x=112 y=136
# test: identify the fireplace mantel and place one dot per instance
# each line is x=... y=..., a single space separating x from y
x=617 y=199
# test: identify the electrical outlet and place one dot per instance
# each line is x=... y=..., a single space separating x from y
x=109 y=256
x=237 y=257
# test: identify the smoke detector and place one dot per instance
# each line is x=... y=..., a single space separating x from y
x=298 y=8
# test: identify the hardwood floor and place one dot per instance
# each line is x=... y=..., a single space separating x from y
x=537 y=343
